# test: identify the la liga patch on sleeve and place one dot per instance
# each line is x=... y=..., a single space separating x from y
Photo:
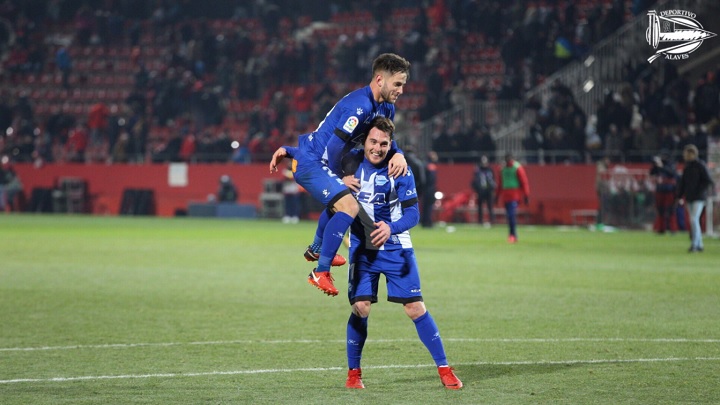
x=351 y=124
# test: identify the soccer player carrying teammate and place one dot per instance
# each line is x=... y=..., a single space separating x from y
x=392 y=205
x=317 y=159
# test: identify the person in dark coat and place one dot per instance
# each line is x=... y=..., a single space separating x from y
x=694 y=188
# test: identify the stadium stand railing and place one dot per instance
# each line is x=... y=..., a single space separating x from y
x=600 y=71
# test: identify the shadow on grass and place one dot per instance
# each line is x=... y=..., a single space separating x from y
x=478 y=373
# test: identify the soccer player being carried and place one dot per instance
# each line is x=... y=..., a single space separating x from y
x=317 y=160
x=390 y=207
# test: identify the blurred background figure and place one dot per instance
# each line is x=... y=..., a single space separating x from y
x=227 y=192
x=601 y=188
x=63 y=61
x=483 y=183
x=428 y=199
x=291 y=194
x=694 y=188
x=10 y=186
x=665 y=178
x=512 y=188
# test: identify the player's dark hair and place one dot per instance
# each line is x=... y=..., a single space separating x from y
x=391 y=63
x=384 y=124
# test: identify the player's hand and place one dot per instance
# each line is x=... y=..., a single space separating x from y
x=381 y=234
x=397 y=166
x=277 y=157
x=352 y=182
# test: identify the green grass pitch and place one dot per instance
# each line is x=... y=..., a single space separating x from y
x=109 y=310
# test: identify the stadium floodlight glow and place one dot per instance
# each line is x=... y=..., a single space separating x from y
x=588 y=85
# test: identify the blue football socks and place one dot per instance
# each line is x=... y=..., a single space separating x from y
x=322 y=223
x=356 y=336
x=332 y=239
x=430 y=336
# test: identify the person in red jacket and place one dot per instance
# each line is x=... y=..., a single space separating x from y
x=512 y=187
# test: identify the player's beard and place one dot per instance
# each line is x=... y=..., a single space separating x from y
x=389 y=96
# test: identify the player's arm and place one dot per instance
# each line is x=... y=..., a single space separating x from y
x=524 y=185
x=383 y=230
x=280 y=154
x=410 y=213
x=397 y=166
x=498 y=188
x=350 y=164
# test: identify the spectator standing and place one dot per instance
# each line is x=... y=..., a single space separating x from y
x=665 y=177
x=119 y=152
x=227 y=192
x=694 y=188
x=98 y=122
x=428 y=199
x=512 y=188
x=602 y=168
x=10 y=185
x=64 y=64
x=418 y=168
x=77 y=143
x=292 y=196
x=483 y=183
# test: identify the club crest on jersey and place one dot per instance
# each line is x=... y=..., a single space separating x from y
x=380 y=180
x=351 y=124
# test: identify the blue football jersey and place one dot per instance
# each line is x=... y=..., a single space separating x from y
x=382 y=198
x=343 y=126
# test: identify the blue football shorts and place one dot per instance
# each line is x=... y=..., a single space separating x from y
x=399 y=267
x=317 y=178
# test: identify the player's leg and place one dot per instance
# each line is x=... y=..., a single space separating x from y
x=345 y=210
x=511 y=209
x=403 y=286
x=327 y=188
x=357 y=332
x=480 y=202
x=696 y=209
x=314 y=247
x=312 y=253
x=362 y=292
x=489 y=201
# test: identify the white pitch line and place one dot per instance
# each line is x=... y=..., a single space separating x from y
x=323 y=369
x=312 y=341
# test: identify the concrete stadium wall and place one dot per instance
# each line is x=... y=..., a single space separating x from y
x=555 y=190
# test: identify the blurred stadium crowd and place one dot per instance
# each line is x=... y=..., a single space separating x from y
x=216 y=81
